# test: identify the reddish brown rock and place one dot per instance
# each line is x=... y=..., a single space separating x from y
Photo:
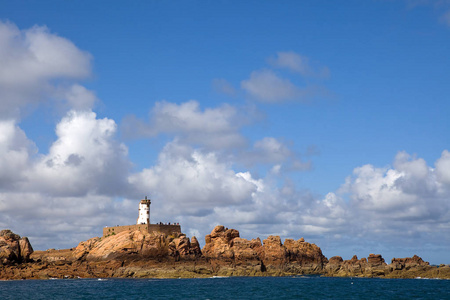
x=335 y=260
x=275 y=253
x=407 y=263
x=83 y=248
x=218 y=244
x=224 y=247
x=305 y=254
x=179 y=247
x=137 y=243
x=25 y=249
x=13 y=248
x=375 y=260
x=356 y=266
x=334 y=264
x=246 y=251
x=374 y=265
x=195 y=247
x=183 y=247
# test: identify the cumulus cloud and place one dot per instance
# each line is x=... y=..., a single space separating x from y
x=272 y=151
x=299 y=64
x=266 y=86
x=410 y=196
x=15 y=152
x=213 y=128
x=392 y=206
x=443 y=167
x=192 y=182
x=389 y=209
x=84 y=159
x=66 y=191
x=80 y=98
x=52 y=221
x=33 y=61
x=69 y=190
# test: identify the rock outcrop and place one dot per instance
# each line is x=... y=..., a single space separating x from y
x=137 y=245
x=375 y=266
x=141 y=255
x=13 y=248
x=305 y=255
x=224 y=248
x=407 y=263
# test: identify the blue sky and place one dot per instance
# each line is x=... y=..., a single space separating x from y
x=311 y=119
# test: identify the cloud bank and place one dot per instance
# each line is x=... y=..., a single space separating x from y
x=208 y=172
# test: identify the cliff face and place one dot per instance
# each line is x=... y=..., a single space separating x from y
x=224 y=248
x=13 y=248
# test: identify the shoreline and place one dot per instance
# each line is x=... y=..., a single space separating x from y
x=186 y=270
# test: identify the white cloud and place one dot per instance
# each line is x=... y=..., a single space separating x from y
x=187 y=117
x=60 y=197
x=272 y=151
x=52 y=221
x=390 y=209
x=298 y=63
x=375 y=189
x=443 y=167
x=275 y=150
x=84 y=159
x=193 y=182
x=15 y=151
x=217 y=130
x=213 y=128
x=80 y=98
x=31 y=59
x=410 y=192
x=67 y=192
x=266 y=86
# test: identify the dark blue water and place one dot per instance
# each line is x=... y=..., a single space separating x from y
x=228 y=288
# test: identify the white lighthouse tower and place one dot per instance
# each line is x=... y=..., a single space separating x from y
x=144 y=211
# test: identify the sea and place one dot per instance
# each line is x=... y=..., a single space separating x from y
x=297 y=287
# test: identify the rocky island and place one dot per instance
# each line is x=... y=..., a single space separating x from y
x=146 y=250
x=138 y=254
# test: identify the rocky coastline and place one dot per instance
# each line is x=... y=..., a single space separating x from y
x=136 y=254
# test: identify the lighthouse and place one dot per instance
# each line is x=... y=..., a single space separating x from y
x=144 y=212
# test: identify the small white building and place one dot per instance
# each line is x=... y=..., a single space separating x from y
x=144 y=212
